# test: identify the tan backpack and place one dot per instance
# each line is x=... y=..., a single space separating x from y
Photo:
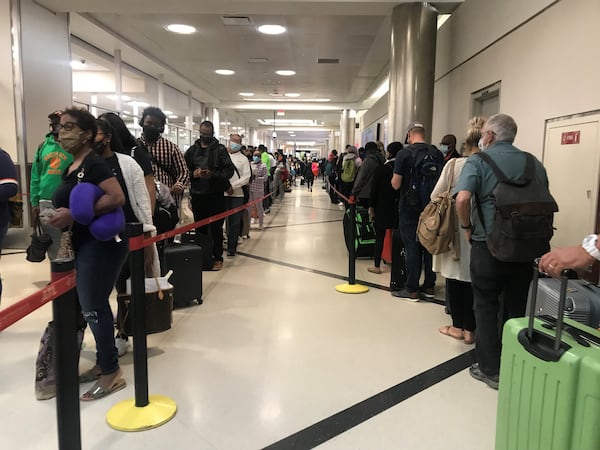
x=437 y=224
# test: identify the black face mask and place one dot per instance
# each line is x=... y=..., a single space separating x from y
x=98 y=147
x=151 y=133
x=206 y=139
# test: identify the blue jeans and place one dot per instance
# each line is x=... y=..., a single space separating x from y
x=98 y=265
x=417 y=257
x=233 y=223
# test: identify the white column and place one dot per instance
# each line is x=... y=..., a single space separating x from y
x=118 y=80
x=161 y=91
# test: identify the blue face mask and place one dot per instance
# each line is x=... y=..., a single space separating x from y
x=444 y=148
x=256 y=159
x=235 y=147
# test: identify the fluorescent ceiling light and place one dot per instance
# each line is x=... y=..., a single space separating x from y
x=173 y=116
x=272 y=29
x=285 y=73
x=289 y=122
x=309 y=143
x=292 y=135
x=224 y=71
x=292 y=94
x=307 y=100
x=383 y=88
x=281 y=113
x=247 y=94
x=168 y=113
x=180 y=28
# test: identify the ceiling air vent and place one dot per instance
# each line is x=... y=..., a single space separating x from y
x=328 y=61
x=258 y=60
x=235 y=21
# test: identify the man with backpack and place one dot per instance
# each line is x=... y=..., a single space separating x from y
x=506 y=211
x=416 y=171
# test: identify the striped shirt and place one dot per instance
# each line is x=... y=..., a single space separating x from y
x=167 y=162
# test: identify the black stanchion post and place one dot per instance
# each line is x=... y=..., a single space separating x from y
x=138 y=300
x=66 y=323
x=352 y=249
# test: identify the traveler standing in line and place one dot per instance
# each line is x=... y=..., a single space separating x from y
x=350 y=165
x=454 y=265
x=234 y=196
x=383 y=203
x=332 y=174
x=8 y=188
x=492 y=279
x=167 y=160
x=48 y=165
x=266 y=160
x=257 y=186
x=97 y=263
x=211 y=169
x=448 y=147
x=416 y=171
x=364 y=178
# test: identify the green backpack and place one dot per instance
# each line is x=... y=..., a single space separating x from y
x=348 y=171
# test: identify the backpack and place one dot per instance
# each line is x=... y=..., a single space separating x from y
x=436 y=229
x=348 y=170
x=425 y=172
x=524 y=212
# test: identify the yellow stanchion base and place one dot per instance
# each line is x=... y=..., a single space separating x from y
x=125 y=416
x=351 y=288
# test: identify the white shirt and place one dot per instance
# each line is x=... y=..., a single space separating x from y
x=242 y=165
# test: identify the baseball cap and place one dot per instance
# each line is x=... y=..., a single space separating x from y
x=414 y=125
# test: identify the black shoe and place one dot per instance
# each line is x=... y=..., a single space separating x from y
x=491 y=381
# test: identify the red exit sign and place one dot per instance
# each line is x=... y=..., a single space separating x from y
x=570 y=137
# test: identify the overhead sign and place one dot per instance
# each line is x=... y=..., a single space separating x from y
x=570 y=137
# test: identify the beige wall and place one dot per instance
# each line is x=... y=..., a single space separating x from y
x=549 y=67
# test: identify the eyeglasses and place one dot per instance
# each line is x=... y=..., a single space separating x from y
x=67 y=126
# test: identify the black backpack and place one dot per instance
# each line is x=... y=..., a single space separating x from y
x=428 y=163
x=524 y=212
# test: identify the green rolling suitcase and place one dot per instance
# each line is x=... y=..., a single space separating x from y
x=549 y=393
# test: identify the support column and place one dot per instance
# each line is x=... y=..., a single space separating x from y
x=161 y=91
x=412 y=67
x=118 y=81
x=189 y=120
x=347 y=126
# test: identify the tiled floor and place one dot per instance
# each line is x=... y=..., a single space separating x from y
x=273 y=350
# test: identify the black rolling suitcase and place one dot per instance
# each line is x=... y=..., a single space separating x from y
x=185 y=261
x=204 y=241
x=398 y=271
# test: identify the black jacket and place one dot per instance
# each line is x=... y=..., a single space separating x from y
x=215 y=158
x=384 y=198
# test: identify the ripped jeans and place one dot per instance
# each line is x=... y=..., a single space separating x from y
x=98 y=265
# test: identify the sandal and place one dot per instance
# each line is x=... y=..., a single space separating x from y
x=89 y=375
x=376 y=270
x=469 y=337
x=446 y=331
x=97 y=391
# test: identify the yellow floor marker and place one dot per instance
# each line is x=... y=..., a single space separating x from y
x=125 y=416
x=347 y=288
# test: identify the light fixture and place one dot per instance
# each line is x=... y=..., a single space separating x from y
x=285 y=73
x=281 y=112
x=180 y=28
x=173 y=116
x=292 y=94
x=383 y=88
x=272 y=29
x=224 y=71
x=292 y=135
x=168 y=113
x=247 y=94
x=289 y=100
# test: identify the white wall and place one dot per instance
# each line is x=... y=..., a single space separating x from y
x=549 y=67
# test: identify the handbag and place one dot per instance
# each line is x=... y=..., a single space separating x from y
x=40 y=242
x=159 y=306
x=15 y=205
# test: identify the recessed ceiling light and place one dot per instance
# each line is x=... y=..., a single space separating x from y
x=180 y=28
x=291 y=94
x=247 y=94
x=224 y=71
x=285 y=73
x=272 y=29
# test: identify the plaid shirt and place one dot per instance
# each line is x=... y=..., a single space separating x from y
x=167 y=163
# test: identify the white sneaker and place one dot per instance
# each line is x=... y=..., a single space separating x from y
x=122 y=345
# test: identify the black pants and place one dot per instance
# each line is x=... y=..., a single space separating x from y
x=499 y=292
x=460 y=298
x=309 y=182
x=379 y=238
x=206 y=205
x=332 y=195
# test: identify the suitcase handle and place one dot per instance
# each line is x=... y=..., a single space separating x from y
x=535 y=344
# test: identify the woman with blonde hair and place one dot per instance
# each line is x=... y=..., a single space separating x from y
x=454 y=265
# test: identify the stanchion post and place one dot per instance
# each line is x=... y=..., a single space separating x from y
x=352 y=249
x=66 y=324
x=138 y=301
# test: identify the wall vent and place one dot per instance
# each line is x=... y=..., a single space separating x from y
x=328 y=61
x=236 y=21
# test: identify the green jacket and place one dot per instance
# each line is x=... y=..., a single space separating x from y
x=46 y=171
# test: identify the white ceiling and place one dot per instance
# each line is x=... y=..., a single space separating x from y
x=355 y=32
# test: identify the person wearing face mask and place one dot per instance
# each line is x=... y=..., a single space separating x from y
x=210 y=169
x=97 y=263
x=48 y=165
x=167 y=160
x=448 y=147
x=234 y=196
x=257 y=185
x=497 y=285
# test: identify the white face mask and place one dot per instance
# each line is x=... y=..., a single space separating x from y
x=444 y=148
x=480 y=145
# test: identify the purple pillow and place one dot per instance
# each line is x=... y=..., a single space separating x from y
x=82 y=200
